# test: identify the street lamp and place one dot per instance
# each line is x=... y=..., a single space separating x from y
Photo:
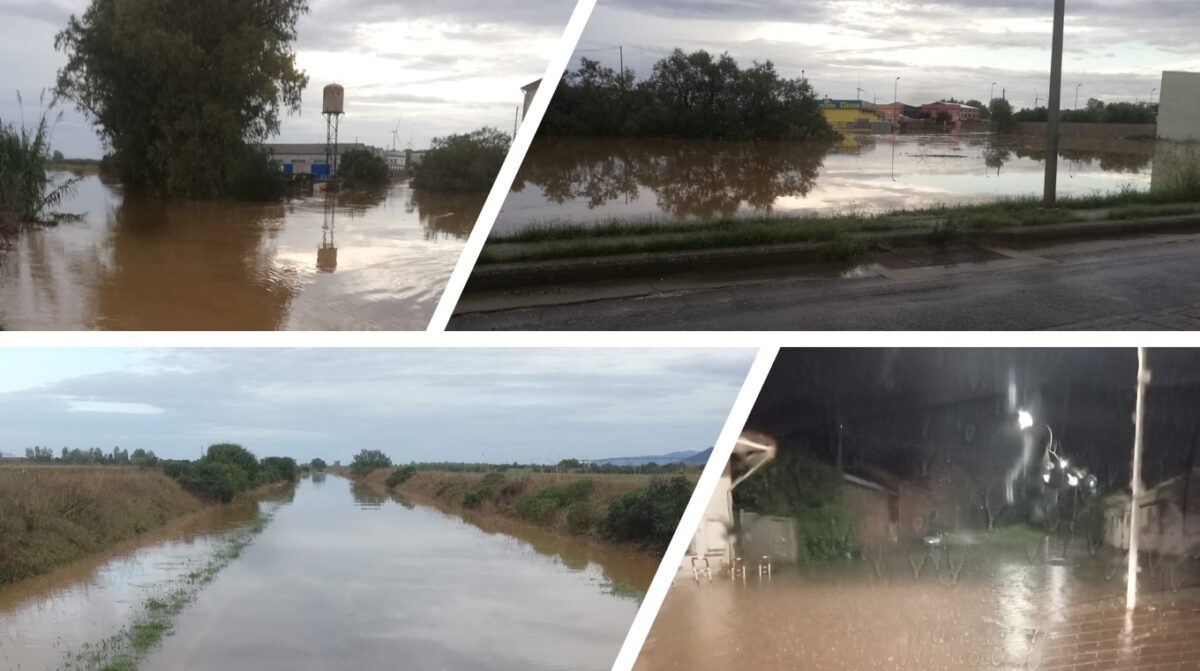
x=1024 y=419
x=895 y=88
x=1152 y=95
x=992 y=92
x=1077 y=95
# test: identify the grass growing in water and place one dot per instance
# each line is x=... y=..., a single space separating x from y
x=28 y=196
x=839 y=235
x=124 y=650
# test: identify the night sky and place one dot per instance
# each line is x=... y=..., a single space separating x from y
x=902 y=409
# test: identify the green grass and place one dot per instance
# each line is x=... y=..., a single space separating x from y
x=154 y=620
x=839 y=236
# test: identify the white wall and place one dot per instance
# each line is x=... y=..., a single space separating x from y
x=1179 y=107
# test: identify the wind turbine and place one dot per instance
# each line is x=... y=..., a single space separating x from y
x=395 y=132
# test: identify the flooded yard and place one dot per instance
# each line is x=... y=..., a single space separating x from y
x=1003 y=612
x=582 y=180
x=346 y=576
x=360 y=260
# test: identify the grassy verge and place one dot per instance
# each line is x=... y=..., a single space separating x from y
x=637 y=509
x=155 y=617
x=840 y=235
x=53 y=515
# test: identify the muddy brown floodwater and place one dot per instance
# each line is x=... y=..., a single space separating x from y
x=586 y=180
x=374 y=259
x=1004 y=613
x=346 y=576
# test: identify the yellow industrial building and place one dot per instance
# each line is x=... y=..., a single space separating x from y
x=849 y=113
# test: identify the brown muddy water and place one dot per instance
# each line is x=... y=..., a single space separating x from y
x=1004 y=612
x=376 y=259
x=585 y=180
x=345 y=576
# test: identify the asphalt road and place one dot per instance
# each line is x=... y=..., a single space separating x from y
x=1145 y=283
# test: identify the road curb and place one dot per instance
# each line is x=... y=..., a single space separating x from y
x=500 y=276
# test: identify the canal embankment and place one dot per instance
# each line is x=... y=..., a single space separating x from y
x=635 y=510
x=54 y=515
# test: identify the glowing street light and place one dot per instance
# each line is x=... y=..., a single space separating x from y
x=1024 y=419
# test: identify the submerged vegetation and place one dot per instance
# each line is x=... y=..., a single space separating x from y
x=28 y=195
x=227 y=469
x=155 y=617
x=361 y=167
x=694 y=95
x=463 y=162
x=564 y=240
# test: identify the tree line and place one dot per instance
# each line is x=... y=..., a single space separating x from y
x=1096 y=111
x=694 y=95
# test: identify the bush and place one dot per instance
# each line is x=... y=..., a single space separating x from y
x=462 y=162
x=650 y=515
x=361 y=167
x=368 y=460
x=536 y=509
x=215 y=480
x=235 y=455
x=318 y=464
x=278 y=469
x=401 y=475
x=582 y=517
x=476 y=497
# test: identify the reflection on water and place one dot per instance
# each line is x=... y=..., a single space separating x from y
x=345 y=576
x=365 y=259
x=1004 y=613
x=588 y=179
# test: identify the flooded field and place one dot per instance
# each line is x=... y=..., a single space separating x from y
x=361 y=260
x=346 y=576
x=1004 y=612
x=586 y=180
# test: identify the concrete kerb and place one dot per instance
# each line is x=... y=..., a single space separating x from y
x=501 y=276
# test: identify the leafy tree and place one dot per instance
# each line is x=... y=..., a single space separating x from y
x=142 y=457
x=368 y=460
x=1001 y=111
x=361 y=167
x=278 y=469
x=649 y=515
x=569 y=464
x=232 y=453
x=179 y=89
x=42 y=454
x=462 y=162
x=318 y=464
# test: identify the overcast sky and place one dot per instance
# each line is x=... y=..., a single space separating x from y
x=494 y=405
x=940 y=48
x=433 y=67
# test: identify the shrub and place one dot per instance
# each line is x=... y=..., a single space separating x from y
x=476 y=497
x=650 y=515
x=368 y=460
x=318 y=464
x=401 y=475
x=27 y=195
x=581 y=517
x=254 y=175
x=215 y=480
x=536 y=509
x=361 y=167
x=462 y=162
x=236 y=455
x=278 y=469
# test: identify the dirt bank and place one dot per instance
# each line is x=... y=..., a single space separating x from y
x=53 y=515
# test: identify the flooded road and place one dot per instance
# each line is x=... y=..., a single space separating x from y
x=360 y=260
x=1003 y=613
x=345 y=576
x=587 y=180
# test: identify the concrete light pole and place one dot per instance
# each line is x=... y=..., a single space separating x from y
x=1050 y=187
x=1077 y=96
x=895 y=88
x=992 y=92
x=1135 y=481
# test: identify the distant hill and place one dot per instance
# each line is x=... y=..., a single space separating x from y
x=690 y=457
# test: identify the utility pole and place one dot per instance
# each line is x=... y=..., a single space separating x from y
x=992 y=92
x=621 y=56
x=1135 y=481
x=516 y=120
x=1050 y=188
x=895 y=88
x=1077 y=96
